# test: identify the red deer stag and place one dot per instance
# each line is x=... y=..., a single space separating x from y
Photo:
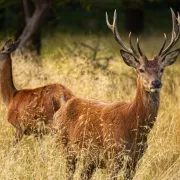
x=117 y=128
x=27 y=108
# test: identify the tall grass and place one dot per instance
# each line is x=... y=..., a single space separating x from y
x=62 y=63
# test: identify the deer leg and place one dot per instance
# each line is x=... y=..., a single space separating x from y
x=43 y=155
x=88 y=170
x=113 y=171
x=132 y=162
x=70 y=165
x=113 y=167
x=130 y=170
x=90 y=163
x=18 y=136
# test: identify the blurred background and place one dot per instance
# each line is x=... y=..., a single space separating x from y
x=68 y=42
x=34 y=20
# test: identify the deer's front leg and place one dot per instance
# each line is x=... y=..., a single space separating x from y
x=18 y=136
x=71 y=160
x=89 y=167
x=113 y=167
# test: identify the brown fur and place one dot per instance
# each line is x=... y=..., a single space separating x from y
x=29 y=110
x=113 y=129
x=29 y=107
x=108 y=127
x=117 y=128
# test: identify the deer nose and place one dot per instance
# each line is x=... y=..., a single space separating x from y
x=156 y=84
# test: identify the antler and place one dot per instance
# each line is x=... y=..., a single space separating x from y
x=175 y=34
x=117 y=37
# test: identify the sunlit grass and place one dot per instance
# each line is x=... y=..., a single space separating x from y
x=74 y=70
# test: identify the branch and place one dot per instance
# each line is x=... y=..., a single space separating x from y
x=39 y=3
x=26 y=11
x=34 y=22
x=87 y=46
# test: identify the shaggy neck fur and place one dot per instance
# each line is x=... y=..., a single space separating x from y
x=145 y=106
x=7 y=89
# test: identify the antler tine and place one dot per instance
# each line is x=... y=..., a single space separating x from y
x=174 y=25
x=175 y=32
x=138 y=47
x=130 y=42
x=117 y=37
x=164 y=43
x=108 y=24
x=178 y=25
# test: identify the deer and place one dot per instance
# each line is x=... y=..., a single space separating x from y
x=30 y=111
x=120 y=129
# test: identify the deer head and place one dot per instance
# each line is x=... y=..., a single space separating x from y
x=149 y=71
x=10 y=46
x=5 y=52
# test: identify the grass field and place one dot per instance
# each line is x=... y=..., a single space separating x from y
x=66 y=62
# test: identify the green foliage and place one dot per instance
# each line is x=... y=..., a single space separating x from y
x=82 y=15
x=132 y=4
x=6 y=4
x=84 y=3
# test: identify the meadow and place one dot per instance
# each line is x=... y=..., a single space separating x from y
x=67 y=61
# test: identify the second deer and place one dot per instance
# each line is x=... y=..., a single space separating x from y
x=29 y=110
x=120 y=128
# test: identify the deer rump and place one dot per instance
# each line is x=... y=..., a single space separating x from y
x=32 y=110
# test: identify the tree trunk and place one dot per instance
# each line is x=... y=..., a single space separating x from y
x=33 y=24
x=2 y=19
x=134 y=20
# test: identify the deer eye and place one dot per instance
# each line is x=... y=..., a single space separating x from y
x=141 y=70
x=162 y=70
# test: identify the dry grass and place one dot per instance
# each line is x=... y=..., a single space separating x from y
x=74 y=70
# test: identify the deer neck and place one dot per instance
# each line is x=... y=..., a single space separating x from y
x=146 y=105
x=7 y=88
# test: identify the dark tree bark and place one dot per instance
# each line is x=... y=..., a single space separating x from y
x=27 y=10
x=134 y=15
x=134 y=20
x=2 y=18
x=32 y=30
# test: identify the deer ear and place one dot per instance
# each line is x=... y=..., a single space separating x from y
x=8 y=43
x=129 y=59
x=10 y=46
x=170 y=58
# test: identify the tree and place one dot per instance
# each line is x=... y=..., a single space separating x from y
x=32 y=28
x=134 y=15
